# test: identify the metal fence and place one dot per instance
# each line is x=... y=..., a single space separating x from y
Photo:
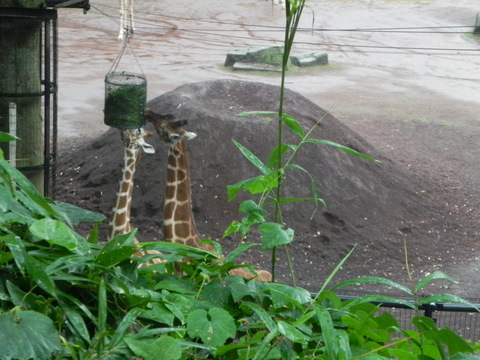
x=464 y=320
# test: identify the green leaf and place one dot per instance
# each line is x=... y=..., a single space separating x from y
x=256 y=185
x=78 y=215
x=76 y=320
x=36 y=269
x=118 y=249
x=445 y=298
x=34 y=196
x=274 y=235
x=264 y=316
x=6 y=198
x=283 y=295
x=293 y=125
x=292 y=333
x=372 y=279
x=6 y=137
x=54 y=232
x=454 y=342
x=213 y=327
x=253 y=159
x=177 y=284
x=165 y=348
x=124 y=326
x=238 y=251
x=341 y=147
x=27 y=335
x=437 y=275
x=274 y=160
x=328 y=331
x=17 y=248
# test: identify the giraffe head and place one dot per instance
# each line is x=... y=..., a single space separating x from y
x=134 y=139
x=169 y=128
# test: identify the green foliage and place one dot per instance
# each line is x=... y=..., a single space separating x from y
x=66 y=297
x=63 y=296
x=27 y=334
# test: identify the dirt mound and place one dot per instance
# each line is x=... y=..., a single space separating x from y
x=373 y=206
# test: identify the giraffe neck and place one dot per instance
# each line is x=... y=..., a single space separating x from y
x=178 y=222
x=120 y=220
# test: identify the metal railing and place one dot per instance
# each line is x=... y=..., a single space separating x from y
x=463 y=319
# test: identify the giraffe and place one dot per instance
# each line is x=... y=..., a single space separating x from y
x=133 y=140
x=127 y=26
x=178 y=220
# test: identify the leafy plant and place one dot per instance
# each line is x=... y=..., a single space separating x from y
x=63 y=296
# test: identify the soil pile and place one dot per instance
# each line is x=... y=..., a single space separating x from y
x=374 y=206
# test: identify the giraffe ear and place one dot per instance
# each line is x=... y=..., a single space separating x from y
x=149 y=149
x=189 y=135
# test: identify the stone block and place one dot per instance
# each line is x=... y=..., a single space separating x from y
x=319 y=58
x=249 y=66
x=235 y=55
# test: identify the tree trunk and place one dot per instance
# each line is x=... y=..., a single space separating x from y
x=20 y=69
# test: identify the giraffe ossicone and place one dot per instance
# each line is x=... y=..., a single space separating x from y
x=178 y=220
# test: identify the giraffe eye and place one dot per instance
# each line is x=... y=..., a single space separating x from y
x=175 y=136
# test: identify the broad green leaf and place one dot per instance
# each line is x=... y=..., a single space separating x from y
x=256 y=185
x=293 y=125
x=118 y=249
x=159 y=313
x=177 y=284
x=284 y=295
x=214 y=327
x=251 y=207
x=36 y=270
x=27 y=335
x=291 y=333
x=276 y=155
x=6 y=198
x=54 y=232
x=454 y=342
x=341 y=147
x=437 y=275
x=330 y=339
x=78 y=215
x=6 y=137
x=253 y=159
x=76 y=320
x=165 y=348
x=264 y=317
x=17 y=248
x=274 y=235
x=428 y=327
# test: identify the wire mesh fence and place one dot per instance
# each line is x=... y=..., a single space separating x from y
x=464 y=320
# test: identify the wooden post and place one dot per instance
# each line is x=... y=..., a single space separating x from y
x=21 y=90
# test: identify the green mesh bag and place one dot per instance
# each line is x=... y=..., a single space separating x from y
x=125 y=93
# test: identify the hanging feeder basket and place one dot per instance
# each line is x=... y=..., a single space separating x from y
x=125 y=96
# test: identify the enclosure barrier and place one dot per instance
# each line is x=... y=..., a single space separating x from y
x=15 y=105
x=464 y=320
